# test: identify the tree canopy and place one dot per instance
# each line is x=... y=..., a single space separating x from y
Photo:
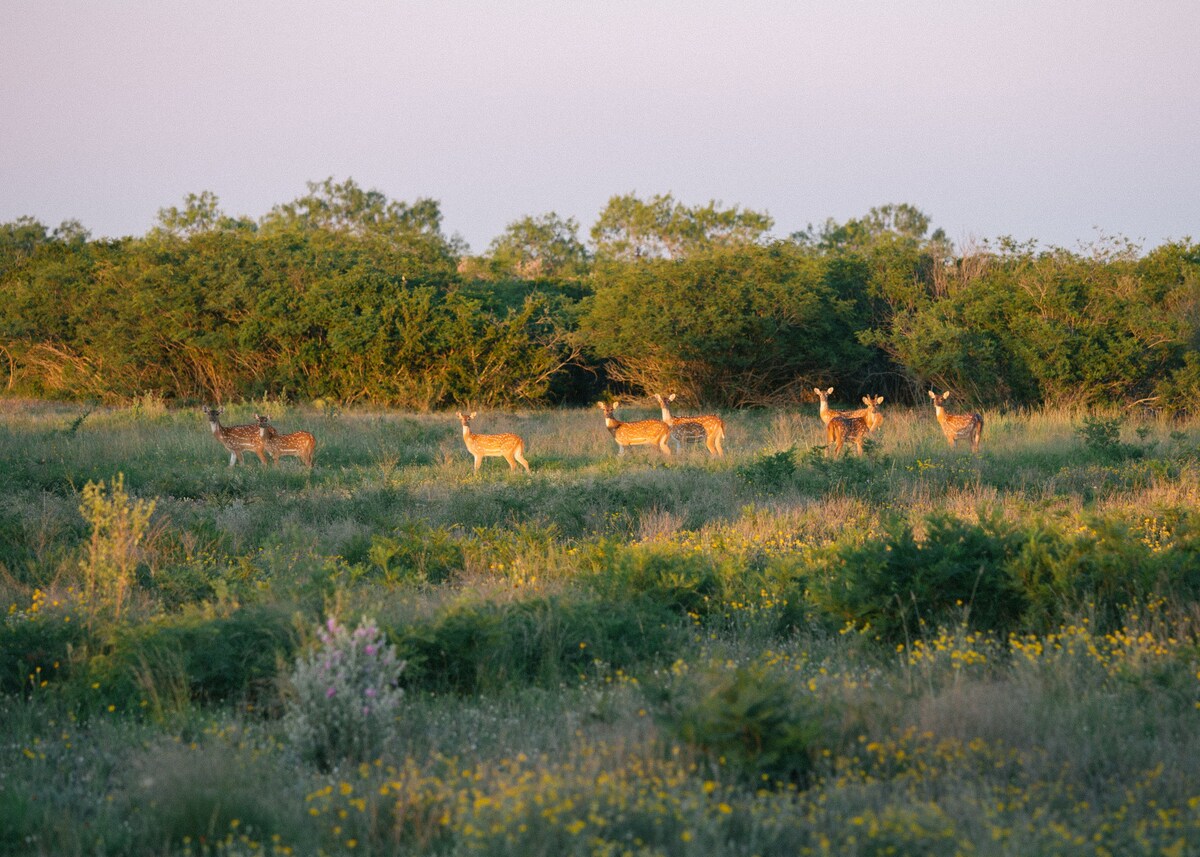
x=346 y=294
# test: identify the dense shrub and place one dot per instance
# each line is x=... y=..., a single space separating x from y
x=748 y=722
x=676 y=579
x=901 y=587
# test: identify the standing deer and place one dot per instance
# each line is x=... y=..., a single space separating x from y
x=827 y=414
x=957 y=426
x=236 y=439
x=511 y=446
x=299 y=443
x=640 y=433
x=708 y=427
x=842 y=429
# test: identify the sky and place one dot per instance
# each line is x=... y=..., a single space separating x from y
x=1062 y=122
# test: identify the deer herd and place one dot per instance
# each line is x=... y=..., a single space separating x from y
x=841 y=428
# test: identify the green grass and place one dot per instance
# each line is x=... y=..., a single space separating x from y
x=772 y=653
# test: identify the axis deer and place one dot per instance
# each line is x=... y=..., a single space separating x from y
x=482 y=446
x=236 y=439
x=841 y=430
x=707 y=427
x=957 y=426
x=298 y=443
x=827 y=414
x=640 y=433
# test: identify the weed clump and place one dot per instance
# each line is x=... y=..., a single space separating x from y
x=346 y=695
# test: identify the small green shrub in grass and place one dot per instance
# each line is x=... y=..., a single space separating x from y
x=1102 y=437
x=345 y=695
x=747 y=721
x=899 y=586
x=677 y=578
x=415 y=553
x=771 y=472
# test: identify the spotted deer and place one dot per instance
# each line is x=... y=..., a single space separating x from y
x=640 y=433
x=482 y=446
x=707 y=427
x=841 y=430
x=827 y=414
x=236 y=439
x=298 y=443
x=957 y=426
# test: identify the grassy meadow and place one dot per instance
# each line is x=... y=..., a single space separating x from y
x=919 y=651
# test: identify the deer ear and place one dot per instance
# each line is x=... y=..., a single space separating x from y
x=671 y=397
x=615 y=404
x=473 y=413
x=945 y=395
x=459 y=413
x=932 y=394
x=879 y=400
x=829 y=392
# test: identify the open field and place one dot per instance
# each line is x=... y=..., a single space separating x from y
x=919 y=651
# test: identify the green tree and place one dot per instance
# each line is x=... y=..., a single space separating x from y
x=539 y=247
x=732 y=326
x=630 y=229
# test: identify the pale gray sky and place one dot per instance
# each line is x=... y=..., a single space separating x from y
x=1039 y=119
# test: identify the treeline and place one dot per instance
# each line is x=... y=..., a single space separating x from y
x=346 y=295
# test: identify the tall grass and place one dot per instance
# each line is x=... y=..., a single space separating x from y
x=923 y=650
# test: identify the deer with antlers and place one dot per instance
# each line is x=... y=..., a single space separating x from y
x=707 y=427
x=841 y=430
x=640 y=433
x=298 y=443
x=236 y=439
x=957 y=426
x=482 y=446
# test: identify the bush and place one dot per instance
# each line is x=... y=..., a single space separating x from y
x=346 y=695
x=770 y=472
x=679 y=580
x=898 y=585
x=752 y=723
x=416 y=553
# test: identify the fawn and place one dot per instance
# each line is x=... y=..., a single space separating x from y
x=708 y=427
x=640 y=433
x=236 y=439
x=298 y=443
x=842 y=429
x=957 y=426
x=511 y=446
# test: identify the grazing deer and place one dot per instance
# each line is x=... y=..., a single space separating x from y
x=236 y=439
x=957 y=426
x=640 y=433
x=707 y=427
x=847 y=429
x=511 y=446
x=298 y=443
x=827 y=414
